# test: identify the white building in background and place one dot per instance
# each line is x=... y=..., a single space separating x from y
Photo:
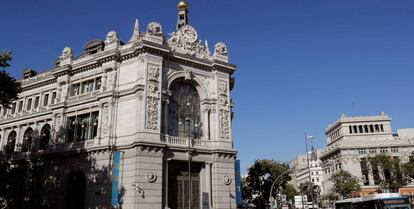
x=130 y=123
x=301 y=173
x=352 y=140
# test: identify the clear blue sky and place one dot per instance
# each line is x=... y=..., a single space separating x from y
x=301 y=63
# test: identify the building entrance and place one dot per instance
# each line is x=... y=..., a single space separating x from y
x=182 y=190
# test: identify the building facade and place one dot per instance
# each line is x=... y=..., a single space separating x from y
x=351 y=141
x=301 y=172
x=140 y=124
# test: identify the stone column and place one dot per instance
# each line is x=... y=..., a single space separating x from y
x=209 y=182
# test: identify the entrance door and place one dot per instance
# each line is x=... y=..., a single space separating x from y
x=179 y=191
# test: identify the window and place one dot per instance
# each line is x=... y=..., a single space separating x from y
x=97 y=83
x=184 y=111
x=355 y=129
x=376 y=128
x=11 y=142
x=85 y=86
x=360 y=129
x=20 y=106
x=14 y=108
x=82 y=127
x=366 y=128
x=36 y=104
x=317 y=179
x=371 y=128
x=45 y=137
x=45 y=100
x=350 y=129
x=382 y=128
x=53 y=98
x=27 y=140
x=29 y=104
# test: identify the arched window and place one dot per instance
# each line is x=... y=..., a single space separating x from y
x=11 y=142
x=376 y=128
x=366 y=128
x=184 y=111
x=361 y=129
x=355 y=129
x=45 y=137
x=27 y=140
x=371 y=128
x=382 y=128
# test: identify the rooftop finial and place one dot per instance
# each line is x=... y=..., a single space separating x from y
x=135 y=33
x=182 y=14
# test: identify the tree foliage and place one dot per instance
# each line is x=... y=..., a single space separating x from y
x=344 y=183
x=256 y=186
x=392 y=176
x=408 y=167
x=9 y=87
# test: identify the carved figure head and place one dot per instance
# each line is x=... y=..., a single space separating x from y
x=220 y=49
x=111 y=37
x=154 y=28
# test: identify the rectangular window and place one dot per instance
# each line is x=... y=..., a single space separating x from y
x=36 y=104
x=98 y=83
x=13 y=108
x=53 y=98
x=29 y=104
x=74 y=89
x=87 y=86
x=20 y=106
x=45 y=100
x=82 y=127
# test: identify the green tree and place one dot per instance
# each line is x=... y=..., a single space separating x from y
x=9 y=87
x=344 y=183
x=408 y=167
x=256 y=186
x=290 y=192
x=392 y=176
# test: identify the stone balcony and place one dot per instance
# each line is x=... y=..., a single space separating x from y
x=176 y=141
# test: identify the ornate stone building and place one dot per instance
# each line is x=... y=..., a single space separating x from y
x=351 y=141
x=140 y=124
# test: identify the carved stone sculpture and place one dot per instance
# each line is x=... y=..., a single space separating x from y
x=220 y=49
x=67 y=53
x=111 y=38
x=154 y=28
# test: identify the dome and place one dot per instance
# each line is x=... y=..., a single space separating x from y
x=182 y=5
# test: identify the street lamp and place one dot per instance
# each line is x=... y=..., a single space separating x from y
x=277 y=179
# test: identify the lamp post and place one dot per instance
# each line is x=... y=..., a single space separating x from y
x=191 y=129
x=277 y=179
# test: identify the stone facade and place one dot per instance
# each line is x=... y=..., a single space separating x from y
x=350 y=140
x=301 y=172
x=63 y=130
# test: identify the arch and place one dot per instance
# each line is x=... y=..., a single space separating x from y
x=360 y=129
x=355 y=129
x=76 y=190
x=45 y=136
x=371 y=128
x=11 y=142
x=181 y=77
x=27 y=140
x=366 y=128
x=184 y=110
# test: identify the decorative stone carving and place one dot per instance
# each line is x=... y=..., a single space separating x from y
x=220 y=49
x=67 y=53
x=105 y=118
x=188 y=75
x=223 y=88
x=152 y=113
x=224 y=123
x=151 y=176
x=153 y=73
x=185 y=41
x=111 y=38
x=110 y=79
x=154 y=28
x=226 y=180
x=58 y=121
